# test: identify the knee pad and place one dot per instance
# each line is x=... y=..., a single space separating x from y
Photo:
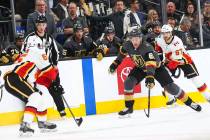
x=173 y=89
x=34 y=100
x=129 y=84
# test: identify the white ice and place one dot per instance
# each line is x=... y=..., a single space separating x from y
x=174 y=123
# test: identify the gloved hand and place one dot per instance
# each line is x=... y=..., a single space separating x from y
x=150 y=82
x=99 y=54
x=172 y=65
x=4 y=60
x=112 y=68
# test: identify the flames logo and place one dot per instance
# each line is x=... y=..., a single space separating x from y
x=125 y=72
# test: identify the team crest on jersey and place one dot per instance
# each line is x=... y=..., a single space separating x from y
x=139 y=61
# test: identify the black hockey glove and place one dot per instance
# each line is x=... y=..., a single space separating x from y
x=150 y=82
x=112 y=68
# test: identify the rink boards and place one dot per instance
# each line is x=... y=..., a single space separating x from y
x=91 y=90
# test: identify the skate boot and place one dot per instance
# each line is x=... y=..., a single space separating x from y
x=171 y=101
x=128 y=110
x=193 y=105
x=25 y=129
x=45 y=126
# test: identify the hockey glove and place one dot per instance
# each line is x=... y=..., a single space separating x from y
x=149 y=82
x=172 y=65
x=112 y=68
x=99 y=54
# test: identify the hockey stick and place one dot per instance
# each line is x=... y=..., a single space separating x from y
x=78 y=121
x=148 y=112
x=1 y=88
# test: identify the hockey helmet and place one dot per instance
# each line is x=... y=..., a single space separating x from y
x=109 y=29
x=77 y=26
x=19 y=36
x=135 y=33
x=166 y=28
x=41 y=19
x=156 y=23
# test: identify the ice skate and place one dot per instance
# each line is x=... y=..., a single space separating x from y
x=46 y=126
x=25 y=130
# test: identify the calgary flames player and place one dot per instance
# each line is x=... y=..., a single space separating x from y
x=148 y=66
x=176 y=57
x=42 y=40
x=21 y=83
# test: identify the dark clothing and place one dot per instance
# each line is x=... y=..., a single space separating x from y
x=143 y=56
x=78 y=49
x=176 y=16
x=117 y=18
x=60 y=13
x=161 y=75
x=147 y=63
x=69 y=22
x=206 y=35
x=22 y=90
x=113 y=46
x=186 y=38
x=190 y=70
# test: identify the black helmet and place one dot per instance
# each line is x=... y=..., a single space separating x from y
x=41 y=19
x=77 y=26
x=109 y=29
x=156 y=23
x=19 y=36
x=135 y=33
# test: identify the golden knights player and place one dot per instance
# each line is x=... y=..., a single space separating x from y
x=12 y=52
x=109 y=42
x=78 y=45
x=148 y=66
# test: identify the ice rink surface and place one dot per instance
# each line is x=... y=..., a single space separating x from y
x=172 y=123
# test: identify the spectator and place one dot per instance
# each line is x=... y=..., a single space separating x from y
x=171 y=11
x=206 y=11
x=190 y=13
x=171 y=21
x=183 y=32
x=78 y=45
x=41 y=10
x=69 y=22
x=110 y=43
x=117 y=18
x=206 y=33
x=134 y=17
x=152 y=16
x=61 y=9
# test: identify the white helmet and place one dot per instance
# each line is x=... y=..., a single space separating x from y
x=166 y=28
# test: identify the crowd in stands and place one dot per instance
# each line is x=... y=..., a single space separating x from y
x=80 y=25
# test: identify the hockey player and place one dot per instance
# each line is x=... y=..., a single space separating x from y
x=21 y=83
x=148 y=66
x=40 y=39
x=109 y=42
x=177 y=57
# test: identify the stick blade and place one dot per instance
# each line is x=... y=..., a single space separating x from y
x=79 y=121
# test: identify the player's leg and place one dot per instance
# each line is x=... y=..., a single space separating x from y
x=22 y=90
x=133 y=78
x=163 y=77
x=191 y=73
x=41 y=113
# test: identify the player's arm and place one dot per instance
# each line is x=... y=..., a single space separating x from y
x=152 y=61
x=121 y=55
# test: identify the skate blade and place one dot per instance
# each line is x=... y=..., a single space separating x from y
x=27 y=134
x=124 y=116
x=47 y=130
